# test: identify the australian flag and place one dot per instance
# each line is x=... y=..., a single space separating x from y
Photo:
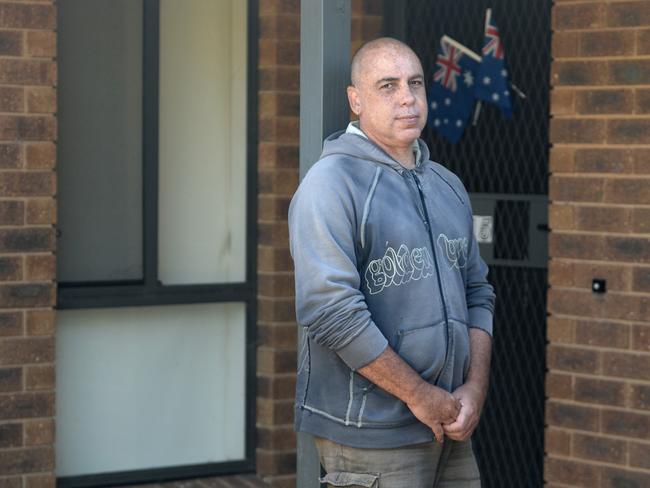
x=451 y=95
x=492 y=80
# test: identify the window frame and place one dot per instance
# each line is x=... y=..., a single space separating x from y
x=150 y=290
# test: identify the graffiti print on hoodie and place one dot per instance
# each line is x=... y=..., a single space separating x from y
x=399 y=267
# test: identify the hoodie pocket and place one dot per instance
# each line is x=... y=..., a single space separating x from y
x=423 y=349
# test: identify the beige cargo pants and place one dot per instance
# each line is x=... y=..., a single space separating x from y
x=430 y=465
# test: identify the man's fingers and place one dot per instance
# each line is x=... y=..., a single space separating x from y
x=438 y=432
x=454 y=427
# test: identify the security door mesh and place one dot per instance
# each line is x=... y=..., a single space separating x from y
x=502 y=158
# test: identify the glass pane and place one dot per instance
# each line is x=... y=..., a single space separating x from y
x=100 y=140
x=202 y=148
x=149 y=387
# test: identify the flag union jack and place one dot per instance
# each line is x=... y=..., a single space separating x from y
x=493 y=46
x=449 y=69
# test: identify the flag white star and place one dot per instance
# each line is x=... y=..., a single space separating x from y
x=495 y=97
x=434 y=105
x=506 y=93
x=436 y=122
x=448 y=101
x=459 y=123
x=445 y=121
x=504 y=73
x=486 y=80
x=468 y=78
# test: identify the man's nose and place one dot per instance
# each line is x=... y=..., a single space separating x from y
x=406 y=95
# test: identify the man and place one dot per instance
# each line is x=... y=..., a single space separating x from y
x=391 y=292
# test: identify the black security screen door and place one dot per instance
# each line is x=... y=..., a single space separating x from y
x=504 y=165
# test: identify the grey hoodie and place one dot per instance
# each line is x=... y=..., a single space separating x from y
x=383 y=256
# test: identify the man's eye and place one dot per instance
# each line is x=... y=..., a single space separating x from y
x=416 y=82
x=387 y=86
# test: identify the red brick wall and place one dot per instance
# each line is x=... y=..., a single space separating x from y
x=27 y=263
x=598 y=411
x=279 y=111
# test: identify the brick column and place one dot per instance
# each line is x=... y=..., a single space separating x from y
x=27 y=242
x=598 y=410
x=279 y=112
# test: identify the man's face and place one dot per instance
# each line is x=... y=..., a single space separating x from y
x=389 y=97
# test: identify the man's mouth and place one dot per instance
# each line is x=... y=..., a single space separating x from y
x=408 y=118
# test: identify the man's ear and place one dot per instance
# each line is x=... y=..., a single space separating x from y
x=354 y=100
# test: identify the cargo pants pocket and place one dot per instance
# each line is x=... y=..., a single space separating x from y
x=350 y=480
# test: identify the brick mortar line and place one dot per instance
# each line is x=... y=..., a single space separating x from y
x=601 y=408
x=270 y=222
x=636 y=410
x=279 y=92
x=598 y=463
x=277 y=451
x=597 y=262
x=289 y=195
x=276 y=349
x=631 y=206
x=595 y=2
x=23 y=198
x=29 y=114
x=275 y=273
x=22 y=114
x=599 y=434
x=598 y=319
x=40 y=59
x=630 y=235
x=604 y=377
x=590 y=347
x=274 y=426
x=276 y=375
x=22 y=421
x=625 y=465
x=598 y=87
x=278 y=324
x=16 y=365
x=277 y=426
x=585 y=288
x=612 y=57
x=17 y=85
x=26 y=58
x=613 y=116
x=555 y=483
x=610 y=176
x=602 y=233
x=24 y=448
x=600 y=377
x=283 y=144
x=620 y=28
x=614 y=205
x=585 y=145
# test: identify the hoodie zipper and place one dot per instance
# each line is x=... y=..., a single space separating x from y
x=427 y=224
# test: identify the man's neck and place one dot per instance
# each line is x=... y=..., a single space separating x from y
x=403 y=155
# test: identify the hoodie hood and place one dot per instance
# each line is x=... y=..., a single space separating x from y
x=350 y=144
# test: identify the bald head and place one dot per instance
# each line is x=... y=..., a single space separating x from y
x=388 y=96
x=366 y=53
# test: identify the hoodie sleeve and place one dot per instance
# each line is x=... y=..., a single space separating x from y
x=479 y=294
x=322 y=229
